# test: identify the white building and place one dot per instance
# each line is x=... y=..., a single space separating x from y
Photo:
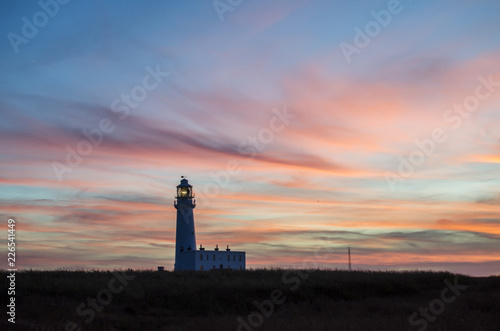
x=187 y=257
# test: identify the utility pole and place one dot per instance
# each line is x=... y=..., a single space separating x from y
x=349 y=255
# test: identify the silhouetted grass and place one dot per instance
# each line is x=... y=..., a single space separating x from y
x=212 y=300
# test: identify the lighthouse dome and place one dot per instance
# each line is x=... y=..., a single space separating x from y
x=184 y=182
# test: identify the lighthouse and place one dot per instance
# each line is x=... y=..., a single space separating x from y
x=185 y=238
x=187 y=257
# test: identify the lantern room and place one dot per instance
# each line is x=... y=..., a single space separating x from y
x=184 y=190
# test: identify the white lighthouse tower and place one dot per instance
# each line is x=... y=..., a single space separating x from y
x=185 y=238
x=187 y=257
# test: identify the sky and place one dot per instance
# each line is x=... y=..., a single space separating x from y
x=304 y=126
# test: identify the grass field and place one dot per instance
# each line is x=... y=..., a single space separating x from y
x=264 y=299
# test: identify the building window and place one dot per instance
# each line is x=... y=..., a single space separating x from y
x=229 y=258
x=213 y=257
x=213 y=267
x=234 y=257
x=222 y=266
x=201 y=257
x=240 y=257
x=208 y=257
x=201 y=268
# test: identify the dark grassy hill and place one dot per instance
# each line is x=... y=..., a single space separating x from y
x=253 y=300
